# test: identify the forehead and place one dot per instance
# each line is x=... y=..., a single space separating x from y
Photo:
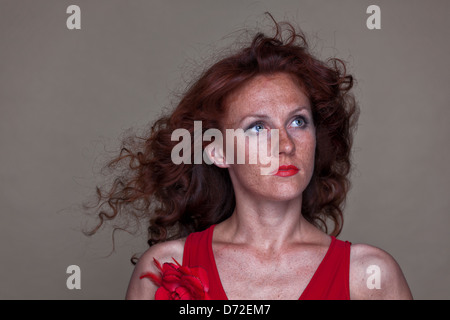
x=272 y=94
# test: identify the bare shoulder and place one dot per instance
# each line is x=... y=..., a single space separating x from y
x=144 y=289
x=374 y=274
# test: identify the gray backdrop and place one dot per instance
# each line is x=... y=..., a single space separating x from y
x=66 y=97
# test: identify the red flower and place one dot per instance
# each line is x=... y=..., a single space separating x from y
x=177 y=282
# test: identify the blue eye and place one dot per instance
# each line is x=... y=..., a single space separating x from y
x=256 y=127
x=299 y=122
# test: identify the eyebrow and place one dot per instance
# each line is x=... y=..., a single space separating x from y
x=265 y=116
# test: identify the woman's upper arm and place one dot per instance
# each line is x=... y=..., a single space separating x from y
x=144 y=289
x=374 y=274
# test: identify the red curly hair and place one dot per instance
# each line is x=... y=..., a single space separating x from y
x=179 y=199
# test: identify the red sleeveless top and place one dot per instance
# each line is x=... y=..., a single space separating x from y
x=329 y=282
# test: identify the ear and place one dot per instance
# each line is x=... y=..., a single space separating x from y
x=215 y=155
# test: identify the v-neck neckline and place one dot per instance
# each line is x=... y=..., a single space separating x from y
x=305 y=291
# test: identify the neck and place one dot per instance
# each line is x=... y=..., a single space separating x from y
x=266 y=225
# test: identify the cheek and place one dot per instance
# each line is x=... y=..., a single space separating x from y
x=262 y=149
x=309 y=148
x=252 y=150
x=247 y=177
x=306 y=153
x=311 y=153
x=248 y=150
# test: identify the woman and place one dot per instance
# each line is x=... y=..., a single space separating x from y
x=226 y=231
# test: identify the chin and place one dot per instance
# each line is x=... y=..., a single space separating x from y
x=283 y=192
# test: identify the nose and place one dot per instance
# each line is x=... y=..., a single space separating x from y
x=286 y=144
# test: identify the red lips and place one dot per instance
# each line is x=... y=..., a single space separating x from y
x=287 y=171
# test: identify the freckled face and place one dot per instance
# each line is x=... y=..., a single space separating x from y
x=273 y=102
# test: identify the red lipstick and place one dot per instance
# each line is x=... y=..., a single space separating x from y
x=286 y=171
